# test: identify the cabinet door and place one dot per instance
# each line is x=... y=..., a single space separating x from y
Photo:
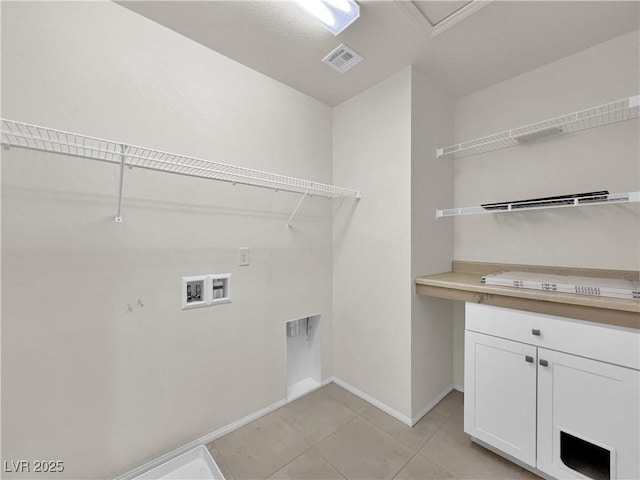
x=500 y=394
x=588 y=418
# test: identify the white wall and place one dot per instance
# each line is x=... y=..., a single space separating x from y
x=372 y=243
x=605 y=158
x=458 y=344
x=431 y=240
x=85 y=380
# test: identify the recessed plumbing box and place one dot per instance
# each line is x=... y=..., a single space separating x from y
x=220 y=288
x=205 y=290
x=194 y=292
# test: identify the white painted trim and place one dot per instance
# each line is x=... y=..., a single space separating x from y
x=201 y=441
x=417 y=18
x=416 y=418
x=458 y=16
x=423 y=25
x=385 y=408
x=459 y=388
x=294 y=394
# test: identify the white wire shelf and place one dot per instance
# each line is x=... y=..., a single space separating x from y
x=618 y=111
x=612 y=198
x=45 y=139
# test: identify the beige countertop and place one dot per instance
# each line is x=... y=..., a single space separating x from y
x=463 y=283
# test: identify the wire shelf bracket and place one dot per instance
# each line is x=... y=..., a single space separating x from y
x=618 y=111
x=613 y=198
x=123 y=159
x=44 y=139
x=296 y=210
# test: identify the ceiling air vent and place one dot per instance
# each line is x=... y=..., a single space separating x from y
x=342 y=59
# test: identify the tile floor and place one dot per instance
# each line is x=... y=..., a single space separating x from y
x=332 y=434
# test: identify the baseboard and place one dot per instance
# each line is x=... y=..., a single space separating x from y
x=302 y=388
x=385 y=408
x=210 y=437
x=459 y=388
x=427 y=408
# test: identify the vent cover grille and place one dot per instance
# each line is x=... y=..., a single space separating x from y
x=342 y=59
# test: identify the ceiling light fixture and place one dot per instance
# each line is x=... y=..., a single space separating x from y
x=334 y=15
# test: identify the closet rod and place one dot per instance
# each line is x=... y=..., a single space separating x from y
x=45 y=139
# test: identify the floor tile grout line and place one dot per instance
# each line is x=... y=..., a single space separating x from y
x=289 y=462
x=447 y=419
x=312 y=447
x=334 y=466
x=413 y=452
x=402 y=441
x=419 y=452
x=345 y=404
x=235 y=476
x=437 y=462
x=442 y=467
x=330 y=433
x=326 y=459
x=404 y=465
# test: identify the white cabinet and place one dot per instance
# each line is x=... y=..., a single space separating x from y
x=502 y=377
x=587 y=405
x=532 y=392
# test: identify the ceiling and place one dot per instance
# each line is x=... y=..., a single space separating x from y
x=437 y=11
x=496 y=42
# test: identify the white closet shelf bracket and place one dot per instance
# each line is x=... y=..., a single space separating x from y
x=45 y=139
x=296 y=209
x=612 y=198
x=123 y=159
x=618 y=111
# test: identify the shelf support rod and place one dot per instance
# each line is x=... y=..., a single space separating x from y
x=296 y=209
x=123 y=158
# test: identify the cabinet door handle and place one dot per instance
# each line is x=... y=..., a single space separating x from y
x=529 y=358
x=544 y=363
x=535 y=332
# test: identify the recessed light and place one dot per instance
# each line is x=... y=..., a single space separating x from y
x=334 y=15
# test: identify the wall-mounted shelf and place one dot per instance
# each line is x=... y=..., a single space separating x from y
x=45 y=139
x=613 y=198
x=621 y=110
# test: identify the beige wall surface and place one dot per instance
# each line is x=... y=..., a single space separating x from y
x=100 y=367
x=604 y=158
x=458 y=344
x=431 y=240
x=372 y=244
